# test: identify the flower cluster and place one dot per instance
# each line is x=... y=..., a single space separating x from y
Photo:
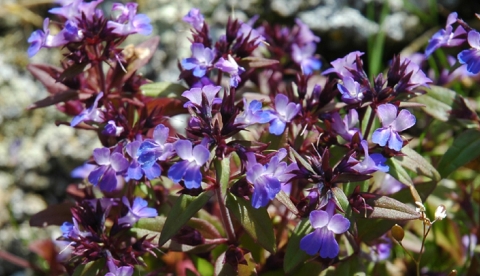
x=294 y=145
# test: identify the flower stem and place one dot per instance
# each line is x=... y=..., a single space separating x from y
x=222 y=168
x=369 y=124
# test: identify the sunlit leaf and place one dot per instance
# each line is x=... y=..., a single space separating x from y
x=438 y=102
x=417 y=163
x=385 y=207
x=163 y=89
x=294 y=255
x=465 y=148
x=184 y=208
x=258 y=62
x=256 y=222
x=285 y=200
x=91 y=268
x=341 y=198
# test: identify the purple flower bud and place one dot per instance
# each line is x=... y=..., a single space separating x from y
x=471 y=57
x=75 y=9
x=200 y=61
x=89 y=114
x=231 y=67
x=136 y=211
x=189 y=168
x=283 y=114
x=303 y=56
x=392 y=124
x=446 y=37
x=326 y=225
x=111 y=129
x=253 y=35
x=195 y=18
x=418 y=77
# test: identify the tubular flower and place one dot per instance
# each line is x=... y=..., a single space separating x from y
x=392 y=125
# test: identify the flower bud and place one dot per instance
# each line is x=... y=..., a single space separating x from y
x=397 y=232
x=441 y=212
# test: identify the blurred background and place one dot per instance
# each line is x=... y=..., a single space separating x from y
x=36 y=156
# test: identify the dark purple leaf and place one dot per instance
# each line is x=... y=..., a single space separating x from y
x=54 y=215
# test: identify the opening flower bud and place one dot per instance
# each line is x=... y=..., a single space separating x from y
x=397 y=232
x=441 y=212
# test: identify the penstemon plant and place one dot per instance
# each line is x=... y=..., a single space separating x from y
x=279 y=167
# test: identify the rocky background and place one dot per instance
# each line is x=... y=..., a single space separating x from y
x=36 y=156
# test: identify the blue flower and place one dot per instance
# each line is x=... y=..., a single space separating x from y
x=446 y=37
x=111 y=129
x=352 y=91
x=195 y=18
x=136 y=170
x=111 y=165
x=75 y=9
x=471 y=57
x=118 y=271
x=231 y=67
x=326 y=225
x=136 y=211
x=346 y=128
x=189 y=168
x=371 y=163
x=284 y=113
x=200 y=61
x=129 y=22
x=303 y=56
x=341 y=66
x=392 y=124
x=269 y=178
x=90 y=114
x=195 y=96
x=252 y=114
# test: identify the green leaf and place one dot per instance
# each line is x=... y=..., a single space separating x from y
x=258 y=62
x=163 y=89
x=285 y=200
x=256 y=222
x=416 y=163
x=91 y=268
x=185 y=207
x=205 y=228
x=465 y=148
x=341 y=198
x=223 y=268
x=438 y=102
x=294 y=256
x=222 y=172
x=295 y=156
x=204 y=267
x=372 y=229
x=385 y=207
x=353 y=265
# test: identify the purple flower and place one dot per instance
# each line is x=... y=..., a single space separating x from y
x=341 y=65
x=352 y=91
x=231 y=67
x=371 y=163
x=380 y=251
x=118 y=271
x=252 y=114
x=149 y=152
x=418 y=77
x=89 y=114
x=195 y=18
x=346 y=127
x=136 y=170
x=471 y=57
x=195 y=96
x=136 y=211
x=268 y=179
x=110 y=164
x=305 y=35
x=136 y=23
x=303 y=56
x=204 y=81
x=73 y=10
x=200 y=61
x=392 y=124
x=326 y=225
x=253 y=35
x=82 y=171
x=189 y=168
x=390 y=185
x=283 y=114
x=111 y=129
x=446 y=37
x=42 y=39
